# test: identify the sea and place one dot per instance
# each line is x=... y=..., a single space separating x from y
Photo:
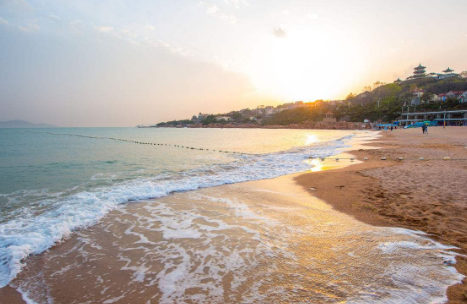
x=152 y=215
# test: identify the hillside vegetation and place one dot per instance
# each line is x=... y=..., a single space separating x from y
x=384 y=103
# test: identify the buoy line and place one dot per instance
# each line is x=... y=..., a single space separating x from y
x=446 y=158
x=387 y=158
x=142 y=143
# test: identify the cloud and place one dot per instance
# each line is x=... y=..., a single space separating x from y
x=279 y=32
x=3 y=21
x=105 y=29
x=230 y=19
x=32 y=27
x=214 y=10
x=237 y=3
x=75 y=22
x=16 y=5
x=230 y=65
x=174 y=49
x=54 y=17
x=150 y=27
x=312 y=16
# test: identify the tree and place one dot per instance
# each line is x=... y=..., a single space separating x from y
x=350 y=96
x=237 y=116
x=427 y=97
x=209 y=120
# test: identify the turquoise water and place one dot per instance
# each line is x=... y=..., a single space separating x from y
x=53 y=181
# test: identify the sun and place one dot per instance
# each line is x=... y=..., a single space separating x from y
x=304 y=65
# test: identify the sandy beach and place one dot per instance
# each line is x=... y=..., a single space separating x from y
x=428 y=195
x=425 y=195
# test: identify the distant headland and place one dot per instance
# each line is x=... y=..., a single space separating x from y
x=427 y=93
x=23 y=124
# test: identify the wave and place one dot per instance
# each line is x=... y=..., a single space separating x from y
x=32 y=233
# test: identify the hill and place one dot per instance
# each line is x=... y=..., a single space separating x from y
x=384 y=103
x=23 y=124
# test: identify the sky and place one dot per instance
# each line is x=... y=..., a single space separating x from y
x=82 y=63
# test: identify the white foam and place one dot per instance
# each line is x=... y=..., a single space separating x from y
x=25 y=297
x=32 y=234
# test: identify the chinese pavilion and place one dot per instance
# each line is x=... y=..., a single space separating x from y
x=419 y=71
x=448 y=70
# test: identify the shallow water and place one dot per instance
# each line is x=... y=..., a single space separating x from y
x=262 y=242
x=54 y=181
x=258 y=242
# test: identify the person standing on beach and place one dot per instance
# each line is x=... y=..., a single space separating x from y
x=426 y=129
x=423 y=129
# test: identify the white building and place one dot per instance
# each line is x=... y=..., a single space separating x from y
x=224 y=118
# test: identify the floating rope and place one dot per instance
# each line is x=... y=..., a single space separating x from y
x=142 y=143
x=242 y=153
x=387 y=158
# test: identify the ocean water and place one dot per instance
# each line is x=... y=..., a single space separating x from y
x=55 y=181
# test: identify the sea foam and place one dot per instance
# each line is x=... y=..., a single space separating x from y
x=32 y=233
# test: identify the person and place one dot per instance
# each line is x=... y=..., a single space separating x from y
x=426 y=129
x=392 y=128
x=423 y=129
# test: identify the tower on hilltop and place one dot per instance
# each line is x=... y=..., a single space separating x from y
x=448 y=71
x=419 y=71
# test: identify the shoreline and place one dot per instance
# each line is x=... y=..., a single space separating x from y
x=319 y=125
x=367 y=196
x=359 y=187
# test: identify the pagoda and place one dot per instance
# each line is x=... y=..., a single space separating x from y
x=448 y=71
x=419 y=71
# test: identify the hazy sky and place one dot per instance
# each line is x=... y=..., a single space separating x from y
x=126 y=62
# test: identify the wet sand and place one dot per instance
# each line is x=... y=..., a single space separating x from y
x=429 y=196
x=405 y=193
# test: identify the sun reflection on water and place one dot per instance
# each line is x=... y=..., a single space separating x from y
x=311 y=139
x=316 y=165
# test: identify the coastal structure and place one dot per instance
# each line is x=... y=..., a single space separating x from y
x=448 y=70
x=417 y=97
x=419 y=72
x=329 y=117
x=452 y=118
x=448 y=73
x=223 y=118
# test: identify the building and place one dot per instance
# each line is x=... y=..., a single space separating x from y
x=448 y=73
x=419 y=72
x=329 y=117
x=223 y=118
x=269 y=110
x=435 y=98
x=454 y=94
x=463 y=97
x=335 y=102
x=450 y=118
x=417 y=97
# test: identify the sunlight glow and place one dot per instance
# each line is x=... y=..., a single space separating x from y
x=311 y=139
x=305 y=65
x=316 y=165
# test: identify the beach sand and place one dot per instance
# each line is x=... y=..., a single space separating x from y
x=427 y=195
